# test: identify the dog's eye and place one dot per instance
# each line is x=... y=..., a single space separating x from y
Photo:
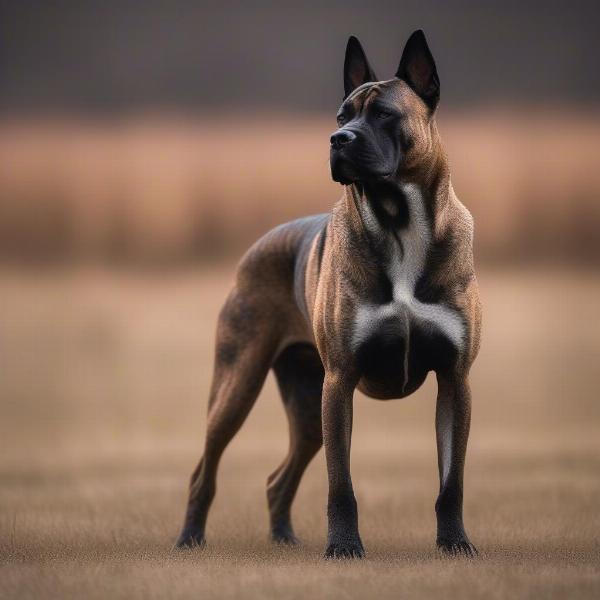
x=341 y=120
x=383 y=114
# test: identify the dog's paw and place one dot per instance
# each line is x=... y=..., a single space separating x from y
x=461 y=547
x=189 y=540
x=344 y=550
x=284 y=536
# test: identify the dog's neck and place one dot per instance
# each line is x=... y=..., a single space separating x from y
x=386 y=199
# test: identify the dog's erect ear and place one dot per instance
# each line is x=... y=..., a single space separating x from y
x=357 y=69
x=417 y=68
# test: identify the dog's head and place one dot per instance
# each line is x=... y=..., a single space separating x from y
x=385 y=127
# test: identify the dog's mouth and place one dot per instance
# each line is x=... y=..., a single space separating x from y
x=345 y=172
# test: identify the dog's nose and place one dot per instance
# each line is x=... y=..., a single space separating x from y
x=341 y=137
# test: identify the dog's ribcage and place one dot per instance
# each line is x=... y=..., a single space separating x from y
x=405 y=265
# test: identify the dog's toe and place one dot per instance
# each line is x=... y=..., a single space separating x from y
x=286 y=538
x=454 y=548
x=344 y=551
x=189 y=541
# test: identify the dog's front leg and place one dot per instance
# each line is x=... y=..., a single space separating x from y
x=343 y=539
x=452 y=422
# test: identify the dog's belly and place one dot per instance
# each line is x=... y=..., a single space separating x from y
x=397 y=344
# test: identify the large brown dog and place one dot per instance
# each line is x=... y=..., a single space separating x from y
x=374 y=295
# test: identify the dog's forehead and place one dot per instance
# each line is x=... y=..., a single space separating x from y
x=394 y=91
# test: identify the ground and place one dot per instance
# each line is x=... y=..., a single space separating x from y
x=103 y=385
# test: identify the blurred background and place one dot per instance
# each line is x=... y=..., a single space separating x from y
x=144 y=146
x=182 y=131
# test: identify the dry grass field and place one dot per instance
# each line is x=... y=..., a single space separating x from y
x=103 y=384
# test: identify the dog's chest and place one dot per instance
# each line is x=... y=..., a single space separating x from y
x=404 y=324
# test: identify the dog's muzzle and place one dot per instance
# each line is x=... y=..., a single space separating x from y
x=342 y=169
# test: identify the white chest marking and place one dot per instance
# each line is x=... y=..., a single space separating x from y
x=404 y=268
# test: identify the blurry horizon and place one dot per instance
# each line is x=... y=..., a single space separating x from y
x=183 y=131
x=168 y=191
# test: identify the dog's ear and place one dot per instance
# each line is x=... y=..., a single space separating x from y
x=357 y=69
x=417 y=68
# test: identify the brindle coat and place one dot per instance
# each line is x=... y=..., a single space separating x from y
x=372 y=296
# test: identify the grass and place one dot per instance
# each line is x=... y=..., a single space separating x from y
x=103 y=390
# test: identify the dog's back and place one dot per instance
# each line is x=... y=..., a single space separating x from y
x=274 y=268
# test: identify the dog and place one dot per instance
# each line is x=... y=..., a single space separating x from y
x=373 y=296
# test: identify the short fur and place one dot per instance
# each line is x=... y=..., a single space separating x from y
x=372 y=296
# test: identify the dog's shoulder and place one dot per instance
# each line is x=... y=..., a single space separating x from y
x=462 y=225
x=449 y=268
x=462 y=281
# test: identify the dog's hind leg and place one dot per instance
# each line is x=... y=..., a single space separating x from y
x=247 y=339
x=299 y=374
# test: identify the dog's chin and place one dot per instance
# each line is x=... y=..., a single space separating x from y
x=342 y=172
x=343 y=180
x=348 y=177
x=345 y=173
